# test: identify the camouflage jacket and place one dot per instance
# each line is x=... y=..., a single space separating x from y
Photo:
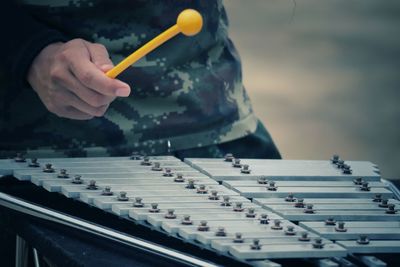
x=187 y=93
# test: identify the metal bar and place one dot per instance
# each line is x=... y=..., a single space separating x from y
x=57 y=217
x=392 y=188
x=21 y=252
x=36 y=257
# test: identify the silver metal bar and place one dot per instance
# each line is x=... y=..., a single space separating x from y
x=57 y=217
x=21 y=252
x=371 y=261
x=36 y=257
x=393 y=188
x=325 y=263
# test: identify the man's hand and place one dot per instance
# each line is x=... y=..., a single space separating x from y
x=69 y=79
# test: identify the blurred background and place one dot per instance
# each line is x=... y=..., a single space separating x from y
x=326 y=79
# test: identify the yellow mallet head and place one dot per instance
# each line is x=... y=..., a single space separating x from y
x=189 y=22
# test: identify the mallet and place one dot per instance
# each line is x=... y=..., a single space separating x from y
x=189 y=23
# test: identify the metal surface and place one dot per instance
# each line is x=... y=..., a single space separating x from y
x=189 y=204
x=310 y=170
x=374 y=246
x=56 y=217
x=21 y=252
x=35 y=257
x=280 y=251
x=316 y=193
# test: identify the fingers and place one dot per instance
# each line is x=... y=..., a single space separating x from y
x=72 y=113
x=82 y=106
x=91 y=76
x=99 y=56
x=63 y=100
x=86 y=94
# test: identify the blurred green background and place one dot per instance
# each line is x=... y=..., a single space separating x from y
x=325 y=80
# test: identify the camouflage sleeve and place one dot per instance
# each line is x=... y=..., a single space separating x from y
x=26 y=37
x=187 y=93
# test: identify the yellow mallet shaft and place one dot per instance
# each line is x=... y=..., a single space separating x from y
x=189 y=23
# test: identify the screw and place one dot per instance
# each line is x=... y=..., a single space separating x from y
x=186 y=220
x=63 y=174
x=335 y=159
x=346 y=169
x=156 y=167
x=318 y=243
x=264 y=219
x=146 y=161
x=190 y=184
x=229 y=157
x=202 y=189
x=299 y=203
x=365 y=187
x=277 y=225
x=340 y=227
x=220 y=231
x=363 y=240
x=384 y=203
x=48 y=168
x=304 y=237
x=271 y=186
x=245 y=169
x=107 y=191
x=34 y=163
x=238 y=238
x=92 y=185
x=138 y=202
x=290 y=230
x=20 y=158
x=214 y=195
x=122 y=196
x=179 y=178
x=256 y=244
x=203 y=227
x=377 y=198
x=236 y=163
x=77 y=179
x=154 y=208
x=391 y=209
x=250 y=213
x=168 y=172
x=330 y=221
x=340 y=163
x=309 y=209
x=135 y=156
x=226 y=202
x=170 y=214
x=358 y=181
x=290 y=198
x=238 y=207
x=262 y=180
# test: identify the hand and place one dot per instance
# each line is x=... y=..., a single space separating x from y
x=70 y=81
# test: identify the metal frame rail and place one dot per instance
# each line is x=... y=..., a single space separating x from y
x=37 y=211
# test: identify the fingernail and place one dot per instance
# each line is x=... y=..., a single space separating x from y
x=123 y=92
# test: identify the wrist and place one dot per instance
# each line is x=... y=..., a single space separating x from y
x=42 y=60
